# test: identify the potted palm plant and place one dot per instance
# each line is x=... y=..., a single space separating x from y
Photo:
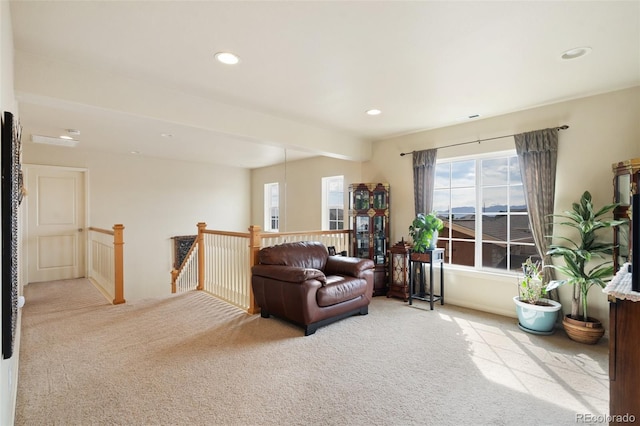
x=424 y=232
x=536 y=314
x=581 y=266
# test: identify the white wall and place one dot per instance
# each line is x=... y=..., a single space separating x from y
x=603 y=129
x=155 y=200
x=9 y=367
x=300 y=190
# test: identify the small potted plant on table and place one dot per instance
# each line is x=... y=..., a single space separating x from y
x=424 y=232
x=536 y=314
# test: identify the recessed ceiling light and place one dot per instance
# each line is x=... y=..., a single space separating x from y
x=374 y=112
x=135 y=152
x=166 y=135
x=575 y=53
x=227 y=58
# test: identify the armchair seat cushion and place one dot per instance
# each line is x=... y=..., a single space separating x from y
x=339 y=289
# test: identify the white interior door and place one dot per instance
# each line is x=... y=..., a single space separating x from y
x=56 y=222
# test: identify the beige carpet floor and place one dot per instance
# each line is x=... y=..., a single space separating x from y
x=191 y=359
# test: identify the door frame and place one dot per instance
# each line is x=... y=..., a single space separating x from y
x=27 y=168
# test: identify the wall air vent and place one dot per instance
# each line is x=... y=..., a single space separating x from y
x=47 y=140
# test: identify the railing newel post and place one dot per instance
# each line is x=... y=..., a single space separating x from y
x=201 y=227
x=255 y=243
x=118 y=246
x=174 y=278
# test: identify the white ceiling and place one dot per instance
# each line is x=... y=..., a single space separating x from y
x=308 y=67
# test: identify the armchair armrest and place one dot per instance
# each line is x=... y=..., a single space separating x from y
x=290 y=274
x=350 y=266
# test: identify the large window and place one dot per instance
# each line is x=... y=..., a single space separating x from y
x=271 y=207
x=481 y=201
x=333 y=202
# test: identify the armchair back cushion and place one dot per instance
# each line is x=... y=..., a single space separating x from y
x=301 y=254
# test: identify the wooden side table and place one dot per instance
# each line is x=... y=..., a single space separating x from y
x=419 y=260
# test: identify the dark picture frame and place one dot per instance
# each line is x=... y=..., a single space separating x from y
x=11 y=196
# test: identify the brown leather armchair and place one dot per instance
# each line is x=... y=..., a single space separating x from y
x=301 y=283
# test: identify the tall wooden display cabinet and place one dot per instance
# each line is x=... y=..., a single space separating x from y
x=369 y=211
x=624 y=314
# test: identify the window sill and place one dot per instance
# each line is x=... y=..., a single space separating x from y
x=465 y=270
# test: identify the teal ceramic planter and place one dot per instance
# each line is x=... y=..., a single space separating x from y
x=537 y=319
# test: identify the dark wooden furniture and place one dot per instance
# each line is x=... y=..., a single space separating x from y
x=417 y=264
x=624 y=315
x=399 y=270
x=369 y=211
x=624 y=358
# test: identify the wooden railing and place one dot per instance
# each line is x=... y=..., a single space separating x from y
x=106 y=261
x=220 y=262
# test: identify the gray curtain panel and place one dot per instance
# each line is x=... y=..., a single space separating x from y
x=424 y=174
x=537 y=155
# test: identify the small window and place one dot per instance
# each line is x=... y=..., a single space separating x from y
x=271 y=207
x=333 y=203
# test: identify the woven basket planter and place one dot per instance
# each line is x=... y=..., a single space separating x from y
x=588 y=332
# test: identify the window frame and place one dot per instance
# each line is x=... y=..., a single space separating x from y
x=326 y=208
x=479 y=239
x=269 y=204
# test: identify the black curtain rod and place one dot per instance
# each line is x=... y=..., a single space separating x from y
x=402 y=154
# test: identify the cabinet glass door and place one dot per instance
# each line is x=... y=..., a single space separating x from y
x=380 y=199
x=622 y=196
x=361 y=200
x=379 y=239
x=362 y=236
x=623 y=189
